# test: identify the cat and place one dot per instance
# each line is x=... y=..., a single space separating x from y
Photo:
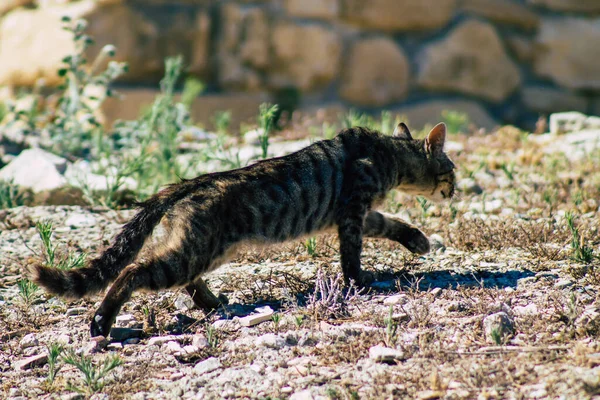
x=331 y=183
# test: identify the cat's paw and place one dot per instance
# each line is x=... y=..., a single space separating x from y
x=97 y=327
x=418 y=243
x=365 y=279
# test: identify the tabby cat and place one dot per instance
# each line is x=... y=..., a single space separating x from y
x=332 y=183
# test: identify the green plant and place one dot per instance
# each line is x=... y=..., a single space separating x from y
x=581 y=252
x=496 y=335
x=73 y=125
x=266 y=115
x=391 y=329
x=276 y=318
x=93 y=375
x=192 y=88
x=311 y=246
x=54 y=351
x=424 y=204
x=11 y=195
x=509 y=170
x=28 y=291
x=298 y=320
x=457 y=122
x=211 y=335
x=222 y=121
x=66 y=262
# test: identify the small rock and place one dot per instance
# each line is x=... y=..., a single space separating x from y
x=209 y=365
x=183 y=302
x=95 y=344
x=160 y=340
x=430 y=395
x=30 y=362
x=63 y=339
x=114 y=346
x=563 y=283
x=127 y=321
x=29 y=340
x=436 y=242
x=190 y=349
x=121 y=334
x=255 y=319
x=469 y=186
x=303 y=395
x=200 y=341
x=528 y=310
x=172 y=347
x=436 y=291
x=395 y=299
x=271 y=341
x=498 y=327
x=131 y=341
x=286 y=390
x=76 y=311
x=385 y=354
x=80 y=221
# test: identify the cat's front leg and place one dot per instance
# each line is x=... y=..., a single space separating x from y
x=378 y=225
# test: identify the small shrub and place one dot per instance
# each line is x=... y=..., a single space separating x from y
x=93 y=375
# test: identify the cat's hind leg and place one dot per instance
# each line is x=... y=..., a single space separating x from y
x=155 y=274
x=377 y=225
x=203 y=297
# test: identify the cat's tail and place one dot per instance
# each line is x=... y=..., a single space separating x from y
x=101 y=271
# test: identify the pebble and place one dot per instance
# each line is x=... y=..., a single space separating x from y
x=29 y=340
x=131 y=341
x=127 y=321
x=501 y=323
x=95 y=344
x=160 y=340
x=385 y=354
x=563 y=283
x=209 y=365
x=256 y=319
x=114 y=346
x=395 y=299
x=436 y=291
x=436 y=242
x=81 y=220
x=271 y=341
x=30 y=362
x=76 y=311
x=184 y=302
x=173 y=347
x=528 y=310
x=200 y=341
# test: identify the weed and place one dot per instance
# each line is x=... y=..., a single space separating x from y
x=457 y=122
x=93 y=375
x=28 y=291
x=311 y=246
x=69 y=261
x=391 y=329
x=222 y=121
x=581 y=252
x=425 y=205
x=266 y=115
x=211 y=335
x=192 y=88
x=299 y=320
x=509 y=170
x=328 y=300
x=54 y=351
x=276 y=318
x=496 y=335
x=11 y=195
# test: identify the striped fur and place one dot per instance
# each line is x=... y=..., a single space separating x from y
x=332 y=183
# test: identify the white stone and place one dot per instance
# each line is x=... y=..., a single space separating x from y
x=173 y=347
x=271 y=341
x=255 y=319
x=31 y=362
x=395 y=299
x=209 y=365
x=160 y=340
x=36 y=169
x=79 y=220
x=385 y=354
x=29 y=340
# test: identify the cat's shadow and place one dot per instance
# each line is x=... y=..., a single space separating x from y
x=386 y=283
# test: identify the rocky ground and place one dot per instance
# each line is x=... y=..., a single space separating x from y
x=505 y=306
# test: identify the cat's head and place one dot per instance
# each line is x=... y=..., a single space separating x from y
x=431 y=170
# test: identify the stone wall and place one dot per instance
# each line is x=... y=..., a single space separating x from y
x=511 y=59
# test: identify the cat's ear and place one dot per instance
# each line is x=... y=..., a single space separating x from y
x=434 y=143
x=402 y=132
